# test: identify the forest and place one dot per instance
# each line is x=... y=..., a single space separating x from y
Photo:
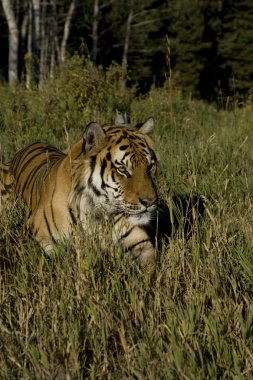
x=206 y=46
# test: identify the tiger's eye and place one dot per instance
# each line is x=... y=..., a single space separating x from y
x=123 y=171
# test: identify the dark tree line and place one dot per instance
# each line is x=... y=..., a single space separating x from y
x=210 y=41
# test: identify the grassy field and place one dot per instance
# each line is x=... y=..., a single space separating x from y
x=91 y=313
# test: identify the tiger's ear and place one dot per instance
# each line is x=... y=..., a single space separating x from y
x=92 y=136
x=121 y=119
x=147 y=127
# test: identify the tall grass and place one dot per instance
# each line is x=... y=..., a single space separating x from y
x=89 y=312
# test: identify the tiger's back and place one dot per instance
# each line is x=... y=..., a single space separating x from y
x=30 y=167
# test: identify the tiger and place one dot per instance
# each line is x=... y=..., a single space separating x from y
x=110 y=170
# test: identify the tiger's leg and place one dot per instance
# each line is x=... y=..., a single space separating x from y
x=135 y=240
x=49 y=225
x=39 y=234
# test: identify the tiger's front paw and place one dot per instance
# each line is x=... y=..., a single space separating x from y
x=145 y=255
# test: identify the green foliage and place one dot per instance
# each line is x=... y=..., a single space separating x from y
x=211 y=47
x=235 y=47
x=91 y=313
x=90 y=90
x=60 y=109
x=190 y=59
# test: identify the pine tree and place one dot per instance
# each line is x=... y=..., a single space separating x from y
x=190 y=48
x=209 y=81
x=236 y=47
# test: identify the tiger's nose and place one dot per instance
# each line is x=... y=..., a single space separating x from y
x=149 y=201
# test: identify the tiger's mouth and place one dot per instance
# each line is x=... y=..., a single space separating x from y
x=140 y=207
x=141 y=217
x=140 y=212
x=131 y=210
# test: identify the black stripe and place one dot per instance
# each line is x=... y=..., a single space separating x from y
x=134 y=138
x=95 y=190
x=53 y=164
x=92 y=167
x=139 y=242
x=83 y=146
x=35 y=183
x=53 y=218
x=48 y=227
x=123 y=147
x=30 y=177
x=91 y=185
x=125 y=155
x=80 y=190
x=54 y=154
x=17 y=157
x=79 y=155
x=110 y=187
x=118 y=218
x=72 y=216
x=78 y=187
x=153 y=155
x=119 y=139
x=24 y=153
x=27 y=163
x=104 y=184
x=103 y=167
x=114 y=131
x=113 y=176
x=52 y=211
x=127 y=233
x=47 y=223
x=78 y=211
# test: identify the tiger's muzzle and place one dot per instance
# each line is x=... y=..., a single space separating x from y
x=148 y=201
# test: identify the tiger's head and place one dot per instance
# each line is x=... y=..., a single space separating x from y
x=121 y=164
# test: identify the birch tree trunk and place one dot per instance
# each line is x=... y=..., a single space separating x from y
x=24 y=26
x=28 y=56
x=52 y=35
x=13 y=41
x=35 y=38
x=66 y=30
x=43 y=44
x=36 y=19
x=95 y=32
x=127 y=39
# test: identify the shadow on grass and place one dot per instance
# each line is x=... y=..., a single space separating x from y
x=179 y=213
